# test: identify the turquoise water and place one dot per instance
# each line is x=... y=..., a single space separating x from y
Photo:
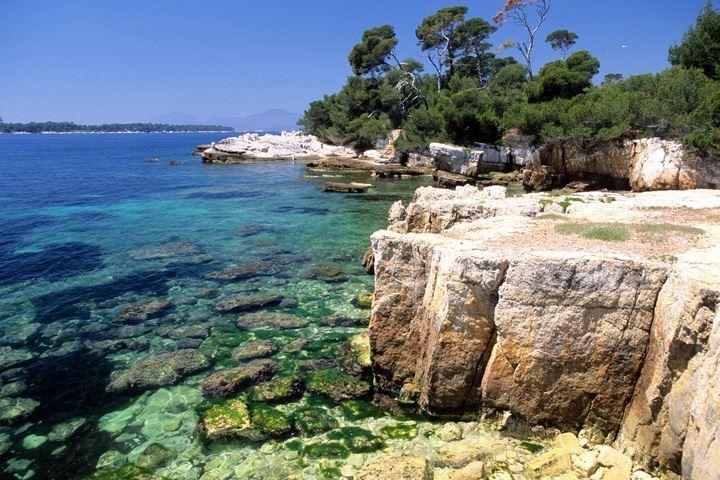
x=90 y=225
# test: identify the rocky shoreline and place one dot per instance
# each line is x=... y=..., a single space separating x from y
x=593 y=312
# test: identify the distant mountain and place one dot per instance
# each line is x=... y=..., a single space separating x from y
x=273 y=120
x=179 y=118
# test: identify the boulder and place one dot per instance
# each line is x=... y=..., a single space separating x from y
x=226 y=383
x=228 y=421
x=279 y=320
x=456 y=160
x=549 y=464
x=141 y=311
x=336 y=385
x=158 y=370
x=248 y=270
x=346 y=187
x=245 y=303
x=255 y=349
x=278 y=390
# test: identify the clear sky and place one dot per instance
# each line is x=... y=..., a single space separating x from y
x=95 y=61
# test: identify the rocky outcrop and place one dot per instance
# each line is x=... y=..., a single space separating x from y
x=642 y=165
x=384 y=151
x=486 y=301
x=286 y=146
x=470 y=162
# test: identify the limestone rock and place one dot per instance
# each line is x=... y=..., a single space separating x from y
x=279 y=320
x=471 y=471
x=397 y=468
x=549 y=464
x=228 y=382
x=255 y=349
x=142 y=311
x=246 y=303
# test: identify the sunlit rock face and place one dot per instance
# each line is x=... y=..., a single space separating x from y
x=485 y=301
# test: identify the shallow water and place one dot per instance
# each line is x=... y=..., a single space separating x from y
x=90 y=225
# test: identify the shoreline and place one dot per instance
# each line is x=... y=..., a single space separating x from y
x=79 y=132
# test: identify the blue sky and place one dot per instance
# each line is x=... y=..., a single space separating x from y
x=95 y=61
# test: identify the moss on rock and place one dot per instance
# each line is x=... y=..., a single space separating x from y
x=278 y=390
x=271 y=421
x=336 y=385
x=322 y=449
x=314 y=420
x=357 y=440
x=228 y=421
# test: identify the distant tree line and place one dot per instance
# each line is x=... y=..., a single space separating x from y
x=70 y=127
x=473 y=94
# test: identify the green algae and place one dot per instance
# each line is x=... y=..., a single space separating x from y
x=400 y=431
x=336 y=385
x=228 y=420
x=314 y=420
x=325 y=450
x=359 y=409
x=271 y=421
x=277 y=390
x=364 y=300
x=128 y=472
x=531 y=447
x=357 y=440
x=155 y=456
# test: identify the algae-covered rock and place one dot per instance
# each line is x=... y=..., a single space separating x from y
x=255 y=349
x=155 y=456
x=330 y=273
x=158 y=370
x=226 y=383
x=246 y=303
x=65 y=430
x=271 y=421
x=400 y=431
x=357 y=440
x=278 y=390
x=314 y=420
x=359 y=409
x=296 y=346
x=141 y=311
x=360 y=346
x=364 y=300
x=336 y=385
x=128 y=472
x=16 y=409
x=279 y=320
x=228 y=421
x=325 y=449
x=255 y=269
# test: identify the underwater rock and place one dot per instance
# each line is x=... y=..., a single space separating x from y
x=271 y=421
x=128 y=472
x=32 y=441
x=228 y=421
x=357 y=440
x=330 y=273
x=13 y=389
x=255 y=349
x=11 y=357
x=314 y=420
x=188 y=343
x=340 y=321
x=296 y=345
x=253 y=229
x=197 y=330
x=129 y=331
x=166 y=250
x=244 y=303
x=155 y=456
x=17 y=335
x=65 y=430
x=288 y=303
x=107 y=347
x=336 y=385
x=278 y=390
x=228 y=382
x=158 y=370
x=279 y=320
x=325 y=449
x=141 y=311
x=16 y=409
x=364 y=300
x=317 y=364
x=396 y=468
x=255 y=269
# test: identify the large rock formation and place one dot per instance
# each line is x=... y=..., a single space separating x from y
x=644 y=164
x=286 y=146
x=481 y=301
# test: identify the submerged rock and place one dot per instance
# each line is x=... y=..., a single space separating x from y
x=340 y=321
x=346 y=187
x=256 y=349
x=296 y=345
x=337 y=385
x=249 y=270
x=278 y=390
x=314 y=420
x=63 y=431
x=317 y=364
x=128 y=472
x=16 y=409
x=279 y=320
x=228 y=382
x=13 y=357
x=397 y=468
x=141 y=311
x=158 y=370
x=357 y=440
x=364 y=300
x=244 y=303
x=330 y=273
x=228 y=421
x=271 y=421
x=198 y=330
x=166 y=250
x=155 y=456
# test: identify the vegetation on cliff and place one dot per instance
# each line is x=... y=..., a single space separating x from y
x=474 y=95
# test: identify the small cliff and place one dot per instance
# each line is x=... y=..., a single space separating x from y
x=596 y=311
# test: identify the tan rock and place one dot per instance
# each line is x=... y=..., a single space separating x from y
x=458 y=454
x=569 y=442
x=471 y=471
x=585 y=463
x=610 y=457
x=551 y=463
x=397 y=468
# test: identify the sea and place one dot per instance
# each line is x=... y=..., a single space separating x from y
x=111 y=256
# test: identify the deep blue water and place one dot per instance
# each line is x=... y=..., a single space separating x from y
x=89 y=225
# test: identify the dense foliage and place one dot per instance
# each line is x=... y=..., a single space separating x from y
x=471 y=95
x=70 y=127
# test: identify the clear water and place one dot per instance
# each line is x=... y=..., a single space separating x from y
x=88 y=225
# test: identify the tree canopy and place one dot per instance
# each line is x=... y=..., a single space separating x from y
x=700 y=47
x=562 y=40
